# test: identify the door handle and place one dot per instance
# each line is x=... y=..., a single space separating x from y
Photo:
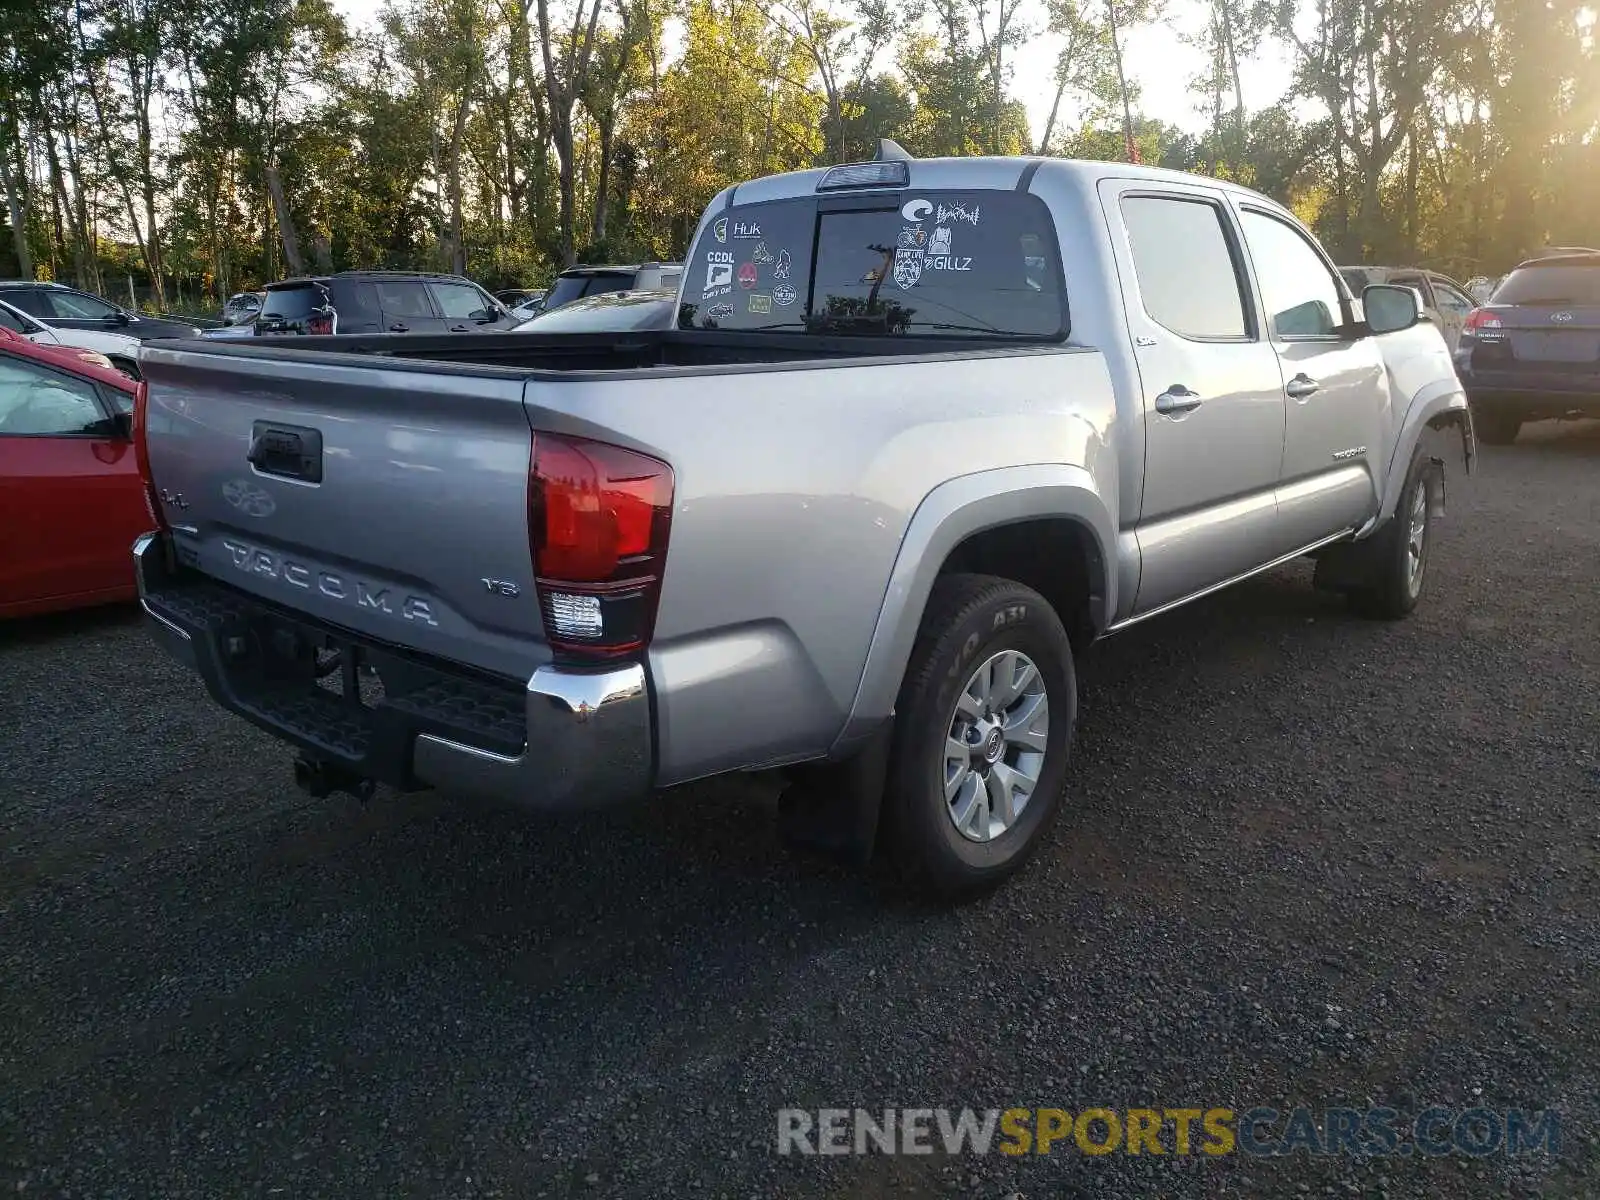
x=1177 y=399
x=459 y=329
x=1301 y=386
x=399 y=328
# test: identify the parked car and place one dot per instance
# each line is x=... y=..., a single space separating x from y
x=120 y=349
x=1445 y=301
x=530 y=307
x=514 y=298
x=1533 y=351
x=378 y=301
x=71 y=500
x=70 y=355
x=229 y=333
x=62 y=308
x=860 y=526
x=241 y=308
x=1481 y=287
x=609 y=310
x=578 y=282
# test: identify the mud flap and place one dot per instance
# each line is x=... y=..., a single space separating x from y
x=831 y=809
x=1349 y=566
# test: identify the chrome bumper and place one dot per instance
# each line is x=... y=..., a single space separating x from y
x=588 y=734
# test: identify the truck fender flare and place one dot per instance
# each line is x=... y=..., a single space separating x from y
x=1439 y=397
x=949 y=514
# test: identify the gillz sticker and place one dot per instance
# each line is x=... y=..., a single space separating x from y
x=746 y=229
x=781 y=271
x=761 y=254
x=760 y=304
x=947 y=262
x=783 y=294
x=907 y=267
x=720 y=229
x=747 y=275
x=958 y=212
x=941 y=241
x=720 y=312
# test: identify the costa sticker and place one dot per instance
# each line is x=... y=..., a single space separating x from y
x=916 y=210
x=760 y=304
x=907 y=267
x=958 y=212
x=783 y=295
x=721 y=229
x=940 y=243
x=747 y=275
x=720 y=312
x=781 y=271
x=761 y=254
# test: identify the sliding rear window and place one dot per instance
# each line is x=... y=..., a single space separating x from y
x=917 y=263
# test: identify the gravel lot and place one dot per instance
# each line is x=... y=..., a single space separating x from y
x=1310 y=860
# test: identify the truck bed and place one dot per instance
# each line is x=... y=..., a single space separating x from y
x=695 y=351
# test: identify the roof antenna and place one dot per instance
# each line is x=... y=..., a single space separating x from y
x=892 y=151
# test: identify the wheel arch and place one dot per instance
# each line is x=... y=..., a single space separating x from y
x=1432 y=411
x=992 y=523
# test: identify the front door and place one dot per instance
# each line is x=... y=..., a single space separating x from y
x=1335 y=385
x=1213 y=408
x=407 y=307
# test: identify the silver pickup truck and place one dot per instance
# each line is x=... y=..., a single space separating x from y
x=923 y=430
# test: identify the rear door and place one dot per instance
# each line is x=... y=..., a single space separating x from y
x=71 y=502
x=79 y=310
x=1550 y=314
x=407 y=307
x=463 y=307
x=1213 y=395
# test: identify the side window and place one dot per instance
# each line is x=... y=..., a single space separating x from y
x=1186 y=273
x=12 y=321
x=77 y=306
x=30 y=300
x=404 y=300
x=1301 y=296
x=1453 y=301
x=38 y=402
x=458 y=300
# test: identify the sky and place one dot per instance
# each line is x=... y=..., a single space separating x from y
x=1157 y=61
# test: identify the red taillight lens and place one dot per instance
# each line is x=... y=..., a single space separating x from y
x=141 y=454
x=1482 y=323
x=598 y=520
x=320 y=323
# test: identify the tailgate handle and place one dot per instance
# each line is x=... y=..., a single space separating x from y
x=289 y=451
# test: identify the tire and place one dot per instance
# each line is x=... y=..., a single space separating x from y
x=1497 y=428
x=1398 y=568
x=972 y=622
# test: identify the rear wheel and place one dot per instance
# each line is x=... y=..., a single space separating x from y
x=1399 y=554
x=1497 y=428
x=983 y=730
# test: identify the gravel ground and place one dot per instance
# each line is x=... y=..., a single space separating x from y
x=1310 y=860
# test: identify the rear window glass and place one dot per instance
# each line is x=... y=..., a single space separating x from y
x=574 y=287
x=295 y=301
x=919 y=263
x=1550 y=285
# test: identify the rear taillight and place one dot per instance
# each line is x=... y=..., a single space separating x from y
x=1481 y=323
x=141 y=453
x=322 y=322
x=598 y=520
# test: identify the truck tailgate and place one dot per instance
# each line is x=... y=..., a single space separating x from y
x=389 y=501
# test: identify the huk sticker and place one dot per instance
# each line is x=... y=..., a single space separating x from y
x=760 y=304
x=747 y=275
x=783 y=294
x=941 y=241
x=781 y=271
x=719 y=273
x=761 y=254
x=746 y=229
x=720 y=312
x=958 y=212
x=721 y=229
x=916 y=210
x=907 y=267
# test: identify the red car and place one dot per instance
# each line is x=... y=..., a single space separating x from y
x=71 y=500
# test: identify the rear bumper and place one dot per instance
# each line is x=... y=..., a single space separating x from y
x=1543 y=392
x=563 y=740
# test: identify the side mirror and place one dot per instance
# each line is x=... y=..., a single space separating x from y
x=122 y=426
x=1390 y=308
